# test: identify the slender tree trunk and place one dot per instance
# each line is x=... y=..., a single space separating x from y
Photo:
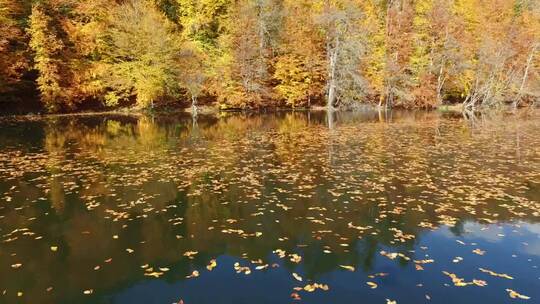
x=384 y=98
x=440 y=83
x=309 y=90
x=332 y=76
x=440 y=78
x=525 y=76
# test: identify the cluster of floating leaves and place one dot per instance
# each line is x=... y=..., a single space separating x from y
x=97 y=203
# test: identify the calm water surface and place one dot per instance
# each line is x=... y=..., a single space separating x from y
x=409 y=207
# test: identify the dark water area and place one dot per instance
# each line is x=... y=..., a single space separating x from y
x=411 y=207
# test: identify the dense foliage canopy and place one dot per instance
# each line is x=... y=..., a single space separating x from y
x=261 y=53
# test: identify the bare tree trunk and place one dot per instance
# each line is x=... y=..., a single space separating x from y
x=440 y=83
x=262 y=28
x=440 y=78
x=471 y=99
x=332 y=76
x=384 y=97
x=525 y=76
x=309 y=88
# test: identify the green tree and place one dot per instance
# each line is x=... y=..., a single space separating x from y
x=141 y=54
x=203 y=21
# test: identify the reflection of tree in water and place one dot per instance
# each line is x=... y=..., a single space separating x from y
x=165 y=186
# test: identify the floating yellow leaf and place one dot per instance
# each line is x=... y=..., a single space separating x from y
x=515 y=295
x=240 y=269
x=480 y=283
x=461 y=282
x=350 y=268
x=190 y=254
x=212 y=265
x=154 y=274
x=194 y=274
x=457 y=259
x=315 y=286
x=372 y=285
x=295 y=258
x=479 y=251
x=297 y=277
x=424 y=261
x=500 y=275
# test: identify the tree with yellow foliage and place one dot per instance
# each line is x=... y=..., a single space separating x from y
x=300 y=67
x=141 y=51
x=374 y=63
x=243 y=69
x=47 y=46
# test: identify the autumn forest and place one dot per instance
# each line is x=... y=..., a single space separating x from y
x=252 y=54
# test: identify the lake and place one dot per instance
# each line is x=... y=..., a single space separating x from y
x=396 y=207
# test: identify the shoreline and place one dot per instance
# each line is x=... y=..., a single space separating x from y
x=214 y=110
